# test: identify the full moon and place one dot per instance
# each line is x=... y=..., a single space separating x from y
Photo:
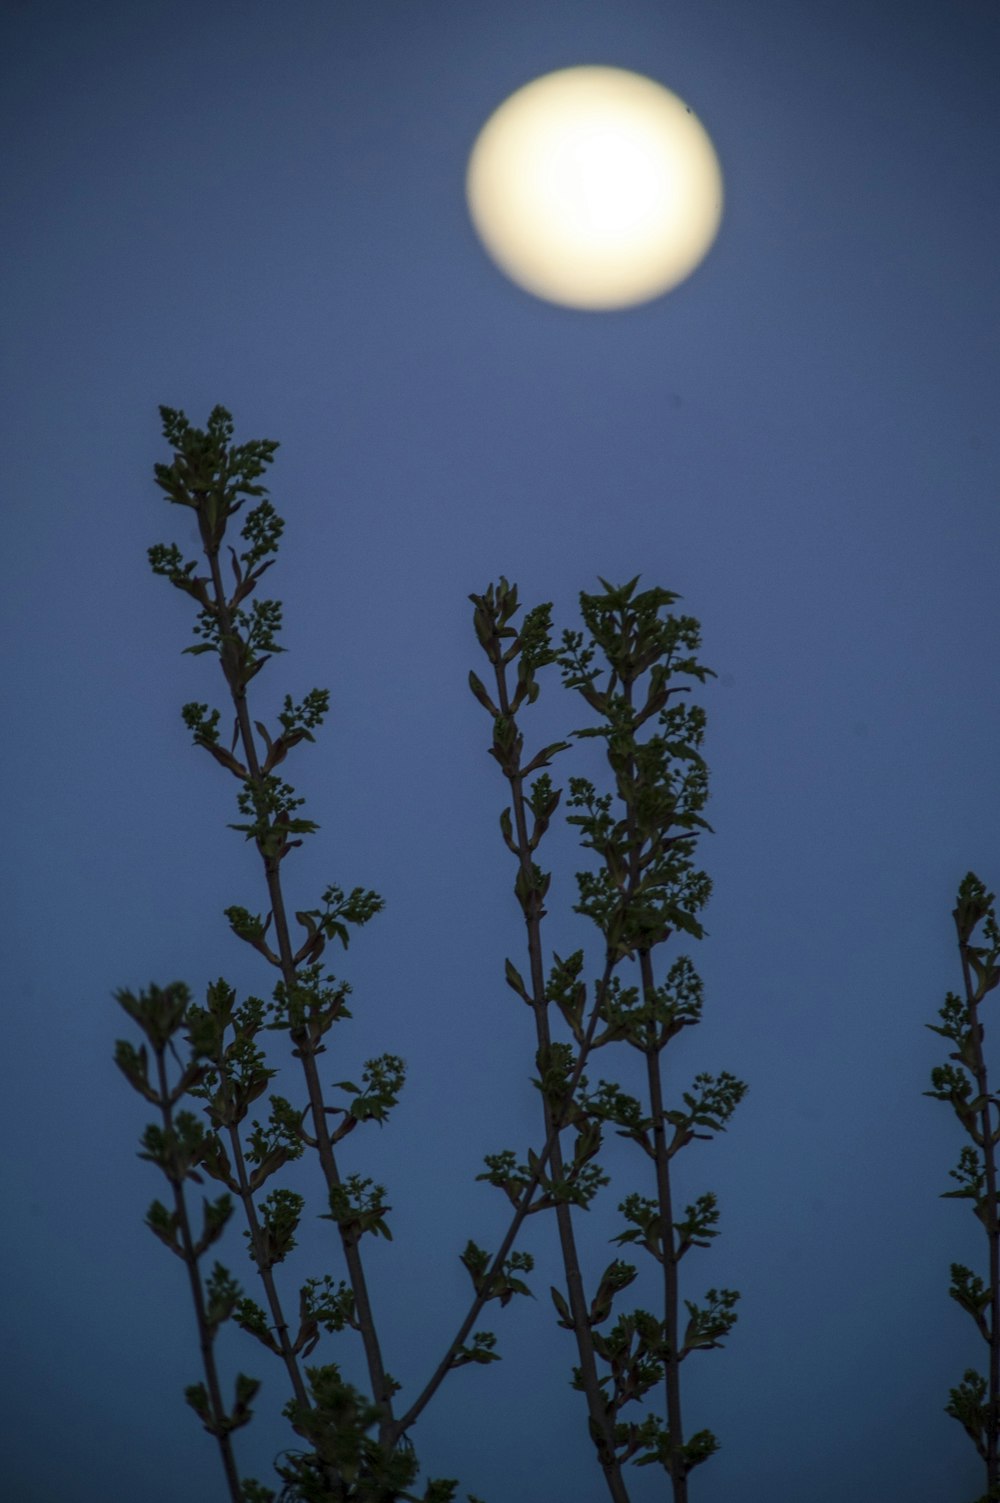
x=595 y=188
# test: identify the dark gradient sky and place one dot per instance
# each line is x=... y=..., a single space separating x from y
x=262 y=206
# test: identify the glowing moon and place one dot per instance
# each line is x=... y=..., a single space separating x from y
x=595 y=188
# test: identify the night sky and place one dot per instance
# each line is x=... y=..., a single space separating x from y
x=263 y=206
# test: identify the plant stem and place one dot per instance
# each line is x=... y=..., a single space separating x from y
x=961 y=1025
x=205 y=1338
x=638 y=899
x=266 y=1272
x=672 y=1365
x=380 y=1389
x=661 y=1159
x=524 y=1206
x=990 y=1221
x=600 y=1424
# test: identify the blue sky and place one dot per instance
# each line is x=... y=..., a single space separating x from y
x=262 y=206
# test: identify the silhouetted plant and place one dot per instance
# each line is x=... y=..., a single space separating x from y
x=645 y=889
x=225 y=1072
x=643 y=831
x=361 y=1448
x=975 y=1403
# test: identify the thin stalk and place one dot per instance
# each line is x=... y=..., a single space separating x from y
x=601 y=1427
x=266 y=1272
x=961 y=1025
x=672 y=1362
x=991 y=1223
x=524 y=1207
x=640 y=897
x=205 y=1339
x=381 y=1392
x=661 y=1159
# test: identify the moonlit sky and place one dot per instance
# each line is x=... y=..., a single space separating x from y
x=262 y=206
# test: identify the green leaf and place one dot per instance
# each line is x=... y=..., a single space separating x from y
x=559 y=1300
x=215 y=1215
x=506 y=830
x=544 y=757
x=479 y=690
x=480 y=1351
x=165 y=1224
x=516 y=983
x=134 y=1065
x=251 y=1318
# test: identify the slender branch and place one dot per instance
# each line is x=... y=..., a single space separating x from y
x=265 y=1270
x=961 y=1025
x=641 y=895
x=380 y=1387
x=637 y=900
x=219 y=1427
x=600 y=1423
x=672 y=1359
x=524 y=1207
x=991 y=1221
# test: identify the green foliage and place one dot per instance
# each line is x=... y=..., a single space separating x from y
x=633 y=1350
x=320 y=1304
x=307 y=1010
x=647 y=1224
x=159 y=1013
x=240 y=1414
x=280 y=1213
x=507 y=1174
x=480 y=1351
x=337 y=1425
x=648 y=1022
x=647 y=886
x=277 y=1143
x=271 y=801
x=501 y=1283
x=254 y=1492
x=706 y=1326
x=223 y=1296
x=383 y=1078
x=227 y=1068
x=359 y=1206
x=233 y=1074
x=711 y=1108
x=643 y=830
x=175 y=1149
